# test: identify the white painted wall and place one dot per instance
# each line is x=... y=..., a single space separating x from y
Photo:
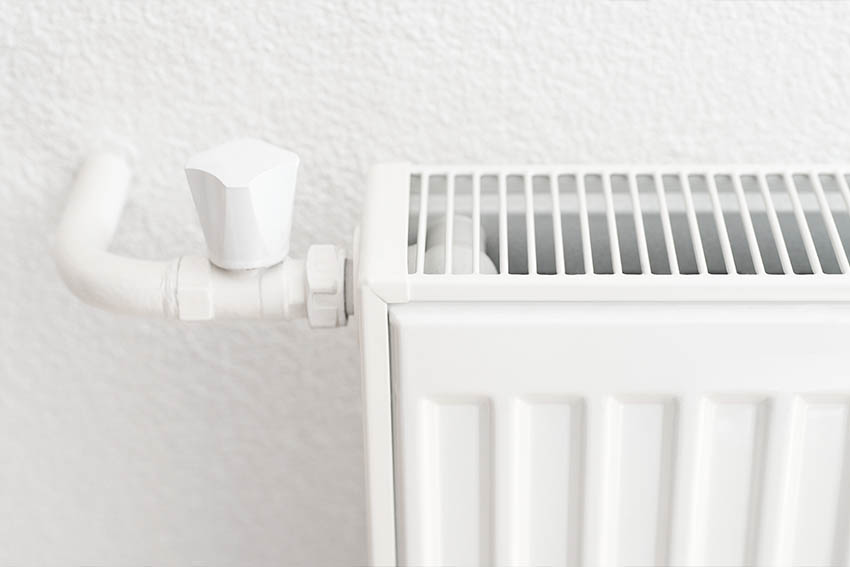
x=126 y=442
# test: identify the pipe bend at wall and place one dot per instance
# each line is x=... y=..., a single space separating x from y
x=95 y=275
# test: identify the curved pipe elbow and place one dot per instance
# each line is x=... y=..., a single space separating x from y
x=119 y=284
x=96 y=276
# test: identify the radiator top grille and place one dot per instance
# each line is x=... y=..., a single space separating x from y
x=549 y=221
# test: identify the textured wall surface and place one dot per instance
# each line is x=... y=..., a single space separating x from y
x=126 y=442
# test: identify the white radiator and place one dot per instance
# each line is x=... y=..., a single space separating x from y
x=599 y=367
x=562 y=366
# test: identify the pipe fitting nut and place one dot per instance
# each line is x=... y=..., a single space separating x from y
x=194 y=289
x=325 y=276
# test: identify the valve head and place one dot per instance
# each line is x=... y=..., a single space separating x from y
x=244 y=192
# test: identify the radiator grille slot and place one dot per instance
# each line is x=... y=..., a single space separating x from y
x=662 y=222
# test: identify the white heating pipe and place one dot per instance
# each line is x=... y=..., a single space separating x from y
x=98 y=277
x=189 y=287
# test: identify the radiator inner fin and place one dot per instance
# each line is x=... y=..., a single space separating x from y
x=551 y=222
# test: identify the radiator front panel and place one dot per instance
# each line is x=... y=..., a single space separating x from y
x=615 y=434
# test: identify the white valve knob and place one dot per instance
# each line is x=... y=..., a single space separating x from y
x=244 y=192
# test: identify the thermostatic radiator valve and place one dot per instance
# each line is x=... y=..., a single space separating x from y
x=243 y=191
